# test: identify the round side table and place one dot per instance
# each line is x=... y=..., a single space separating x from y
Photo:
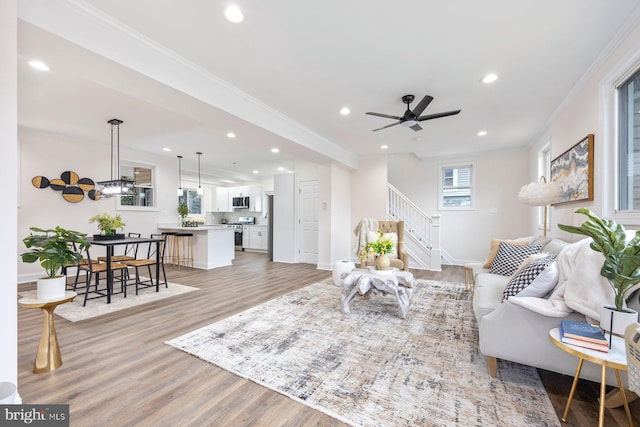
x=48 y=357
x=616 y=359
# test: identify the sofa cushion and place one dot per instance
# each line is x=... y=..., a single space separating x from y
x=487 y=295
x=554 y=246
x=510 y=256
x=537 y=279
x=493 y=249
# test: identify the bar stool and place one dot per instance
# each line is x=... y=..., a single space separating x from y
x=183 y=242
x=170 y=247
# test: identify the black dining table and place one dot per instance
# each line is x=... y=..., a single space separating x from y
x=111 y=244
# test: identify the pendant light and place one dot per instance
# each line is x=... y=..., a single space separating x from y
x=199 y=186
x=180 y=176
x=118 y=186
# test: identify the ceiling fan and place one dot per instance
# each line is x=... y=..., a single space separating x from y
x=410 y=118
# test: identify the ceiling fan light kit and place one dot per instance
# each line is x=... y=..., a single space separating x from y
x=410 y=118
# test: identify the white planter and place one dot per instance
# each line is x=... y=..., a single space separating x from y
x=621 y=319
x=51 y=288
x=7 y=393
x=340 y=267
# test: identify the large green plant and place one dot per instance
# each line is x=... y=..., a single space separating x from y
x=54 y=248
x=621 y=258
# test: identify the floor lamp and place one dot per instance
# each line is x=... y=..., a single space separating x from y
x=540 y=193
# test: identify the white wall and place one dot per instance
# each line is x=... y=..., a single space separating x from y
x=50 y=155
x=582 y=114
x=9 y=178
x=340 y=208
x=466 y=235
x=284 y=215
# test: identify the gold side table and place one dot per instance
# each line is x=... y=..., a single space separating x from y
x=616 y=359
x=48 y=357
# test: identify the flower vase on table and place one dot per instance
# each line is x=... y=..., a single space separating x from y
x=383 y=262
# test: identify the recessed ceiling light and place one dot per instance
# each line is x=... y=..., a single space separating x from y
x=255 y=171
x=275 y=150
x=280 y=168
x=384 y=147
x=290 y=171
x=166 y=149
x=39 y=65
x=234 y=14
x=234 y=163
x=482 y=133
x=345 y=111
x=231 y=135
x=489 y=78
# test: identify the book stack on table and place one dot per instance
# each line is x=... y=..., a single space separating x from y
x=582 y=334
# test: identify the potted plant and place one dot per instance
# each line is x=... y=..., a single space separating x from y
x=621 y=265
x=54 y=249
x=183 y=211
x=108 y=224
x=380 y=247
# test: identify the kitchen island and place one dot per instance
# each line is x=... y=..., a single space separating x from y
x=213 y=245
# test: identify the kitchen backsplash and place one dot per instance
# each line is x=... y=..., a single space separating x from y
x=216 y=217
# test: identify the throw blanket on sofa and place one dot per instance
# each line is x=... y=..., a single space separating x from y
x=580 y=286
x=364 y=226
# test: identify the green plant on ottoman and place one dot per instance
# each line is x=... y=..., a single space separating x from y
x=53 y=248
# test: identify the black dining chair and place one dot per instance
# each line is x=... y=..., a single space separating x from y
x=92 y=271
x=152 y=249
x=128 y=254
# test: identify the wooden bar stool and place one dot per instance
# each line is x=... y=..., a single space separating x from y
x=170 y=250
x=184 y=244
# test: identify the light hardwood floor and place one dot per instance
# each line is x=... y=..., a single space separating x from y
x=117 y=370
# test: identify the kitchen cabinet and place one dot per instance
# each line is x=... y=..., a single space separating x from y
x=223 y=202
x=255 y=237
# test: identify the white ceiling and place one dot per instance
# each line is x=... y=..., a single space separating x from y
x=183 y=76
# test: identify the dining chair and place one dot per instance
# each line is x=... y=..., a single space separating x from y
x=151 y=249
x=92 y=271
x=128 y=254
x=66 y=267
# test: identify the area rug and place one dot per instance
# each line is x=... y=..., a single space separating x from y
x=370 y=367
x=74 y=311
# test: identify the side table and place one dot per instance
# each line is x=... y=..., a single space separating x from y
x=616 y=359
x=48 y=357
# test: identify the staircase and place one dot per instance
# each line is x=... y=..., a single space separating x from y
x=421 y=231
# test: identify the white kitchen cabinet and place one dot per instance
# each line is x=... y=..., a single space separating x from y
x=223 y=202
x=257 y=237
x=255 y=198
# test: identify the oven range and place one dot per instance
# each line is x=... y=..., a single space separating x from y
x=238 y=228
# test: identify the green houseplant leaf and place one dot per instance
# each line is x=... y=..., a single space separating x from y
x=621 y=265
x=54 y=248
x=108 y=224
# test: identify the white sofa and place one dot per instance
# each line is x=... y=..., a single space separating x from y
x=512 y=332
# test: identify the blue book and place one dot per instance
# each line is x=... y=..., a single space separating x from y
x=582 y=331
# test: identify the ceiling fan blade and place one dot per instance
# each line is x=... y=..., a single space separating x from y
x=416 y=127
x=384 y=115
x=437 y=115
x=422 y=105
x=387 y=126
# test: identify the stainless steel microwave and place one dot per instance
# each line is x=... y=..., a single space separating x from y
x=240 y=202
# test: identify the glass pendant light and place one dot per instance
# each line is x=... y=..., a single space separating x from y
x=199 y=186
x=180 y=176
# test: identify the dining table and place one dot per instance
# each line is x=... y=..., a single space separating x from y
x=110 y=245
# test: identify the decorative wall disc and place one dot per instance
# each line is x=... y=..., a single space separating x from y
x=69 y=177
x=73 y=194
x=57 y=184
x=40 y=182
x=94 y=195
x=86 y=184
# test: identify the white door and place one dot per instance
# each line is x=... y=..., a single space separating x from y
x=308 y=220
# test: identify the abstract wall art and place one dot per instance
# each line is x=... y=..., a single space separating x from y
x=573 y=170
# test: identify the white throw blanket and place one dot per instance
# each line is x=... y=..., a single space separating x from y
x=364 y=226
x=580 y=286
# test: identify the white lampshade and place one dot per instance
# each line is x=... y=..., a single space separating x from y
x=540 y=193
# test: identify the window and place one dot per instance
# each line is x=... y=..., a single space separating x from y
x=628 y=161
x=192 y=199
x=142 y=177
x=456 y=186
